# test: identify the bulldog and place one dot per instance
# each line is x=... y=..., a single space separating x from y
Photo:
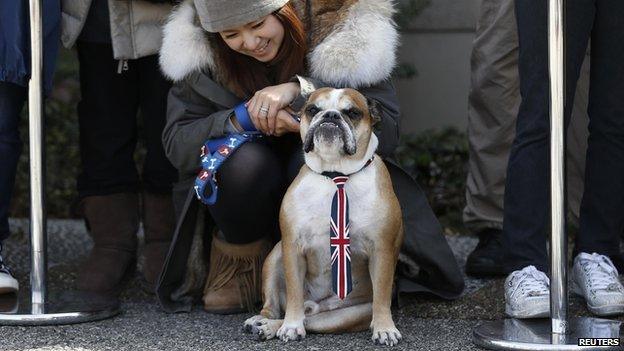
x=307 y=286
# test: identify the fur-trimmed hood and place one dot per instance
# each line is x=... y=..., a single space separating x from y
x=352 y=42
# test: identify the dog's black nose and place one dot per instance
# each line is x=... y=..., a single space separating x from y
x=332 y=115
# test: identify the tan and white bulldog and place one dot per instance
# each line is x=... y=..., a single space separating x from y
x=336 y=129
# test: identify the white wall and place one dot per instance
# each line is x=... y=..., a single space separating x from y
x=438 y=95
x=438 y=43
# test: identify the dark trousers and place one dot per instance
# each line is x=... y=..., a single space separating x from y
x=527 y=199
x=252 y=183
x=108 y=123
x=12 y=98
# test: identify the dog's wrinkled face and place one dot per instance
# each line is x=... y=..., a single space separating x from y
x=337 y=122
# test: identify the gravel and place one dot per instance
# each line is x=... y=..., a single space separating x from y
x=426 y=323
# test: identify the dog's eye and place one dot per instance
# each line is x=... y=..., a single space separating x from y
x=353 y=113
x=313 y=110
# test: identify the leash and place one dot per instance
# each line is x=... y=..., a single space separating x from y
x=215 y=152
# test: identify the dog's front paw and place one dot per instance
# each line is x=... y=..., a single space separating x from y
x=388 y=335
x=268 y=328
x=251 y=324
x=264 y=327
x=291 y=331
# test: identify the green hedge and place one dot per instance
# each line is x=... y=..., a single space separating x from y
x=438 y=159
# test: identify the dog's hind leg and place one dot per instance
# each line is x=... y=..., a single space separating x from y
x=272 y=284
x=349 y=319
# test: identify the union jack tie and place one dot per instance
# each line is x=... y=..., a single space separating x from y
x=339 y=240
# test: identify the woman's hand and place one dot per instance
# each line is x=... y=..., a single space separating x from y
x=264 y=106
x=285 y=123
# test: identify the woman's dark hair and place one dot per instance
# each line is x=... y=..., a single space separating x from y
x=247 y=75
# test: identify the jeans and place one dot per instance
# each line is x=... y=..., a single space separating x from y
x=527 y=199
x=107 y=115
x=493 y=105
x=12 y=98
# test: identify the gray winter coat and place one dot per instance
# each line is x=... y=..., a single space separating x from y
x=199 y=106
x=136 y=25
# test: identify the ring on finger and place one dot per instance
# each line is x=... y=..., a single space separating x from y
x=264 y=111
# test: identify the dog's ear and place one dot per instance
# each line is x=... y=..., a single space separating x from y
x=374 y=110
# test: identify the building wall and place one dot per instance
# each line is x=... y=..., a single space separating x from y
x=438 y=43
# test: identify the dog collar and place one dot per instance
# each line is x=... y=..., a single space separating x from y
x=332 y=175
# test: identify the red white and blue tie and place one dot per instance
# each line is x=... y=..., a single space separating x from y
x=340 y=241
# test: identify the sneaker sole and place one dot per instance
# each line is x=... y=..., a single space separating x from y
x=526 y=314
x=609 y=310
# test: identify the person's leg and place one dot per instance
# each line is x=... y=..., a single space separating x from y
x=602 y=222
x=246 y=214
x=527 y=194
x=158 y=173
x=250 y=192
x=107 y=120
x=108 y=182
x=492 y=109
x=594 y=274
x=12 y=98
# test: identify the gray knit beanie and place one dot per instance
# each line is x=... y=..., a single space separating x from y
x=219 y=15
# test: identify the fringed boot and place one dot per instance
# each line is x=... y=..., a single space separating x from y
x=234 y=278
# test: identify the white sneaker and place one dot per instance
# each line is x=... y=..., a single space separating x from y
x=8 y=284
x=596 y=279
x=527 y=294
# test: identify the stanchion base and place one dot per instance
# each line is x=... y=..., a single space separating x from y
x=535 y=335
x=67 y=310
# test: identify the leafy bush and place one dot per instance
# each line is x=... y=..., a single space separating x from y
x=438 y=160
x=61 y=150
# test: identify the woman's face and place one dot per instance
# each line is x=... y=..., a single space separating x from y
x=260 y=39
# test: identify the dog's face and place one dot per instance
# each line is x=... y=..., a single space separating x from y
x=337 y=123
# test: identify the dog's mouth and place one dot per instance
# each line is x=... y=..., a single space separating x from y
x=330 y=131
x=329 y=124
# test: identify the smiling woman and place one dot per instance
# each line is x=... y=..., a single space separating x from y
x=276 y=40
x=243 y=66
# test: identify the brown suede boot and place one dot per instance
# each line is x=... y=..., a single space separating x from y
x=113 y=221
x=158 y=225
x=234 y=277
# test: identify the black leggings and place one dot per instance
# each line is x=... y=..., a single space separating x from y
x=107 y=116
x=252 y=183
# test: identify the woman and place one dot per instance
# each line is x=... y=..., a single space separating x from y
x=597 y=249
x=264 y=59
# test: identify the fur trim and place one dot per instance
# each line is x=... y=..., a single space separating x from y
x=356 y=49
x=185 y=48
x=361 y=50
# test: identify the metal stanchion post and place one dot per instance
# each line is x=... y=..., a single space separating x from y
x=560 y=332
x=39 y=311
